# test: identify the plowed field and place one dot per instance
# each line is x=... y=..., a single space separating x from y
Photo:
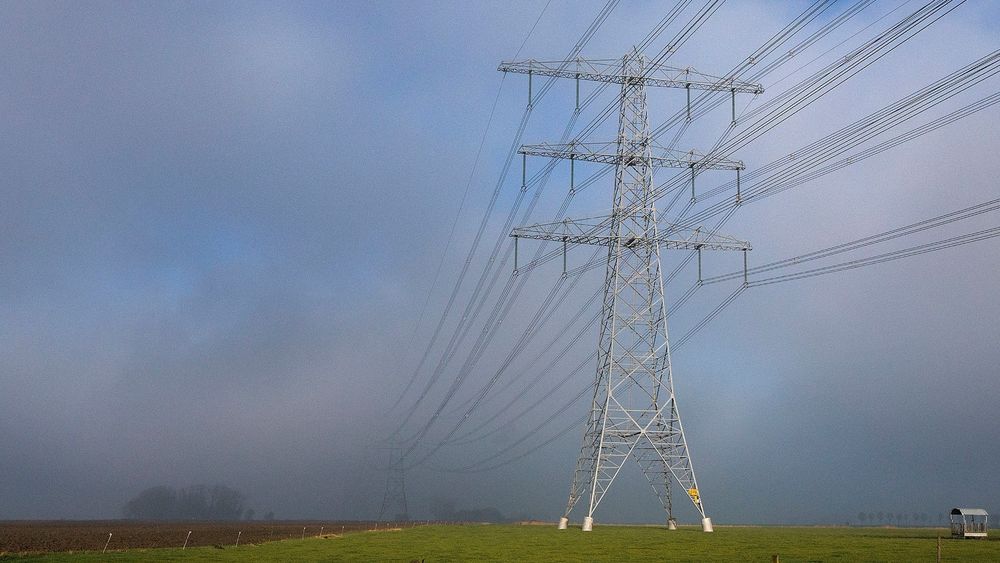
x=49 y=536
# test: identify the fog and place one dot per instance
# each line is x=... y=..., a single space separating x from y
x=221 y=223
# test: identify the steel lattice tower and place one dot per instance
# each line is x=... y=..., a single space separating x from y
x=395 y=488
x=634 y=411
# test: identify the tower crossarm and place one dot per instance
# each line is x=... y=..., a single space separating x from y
x=614 y=72
x=607 y=153
x=597 y=231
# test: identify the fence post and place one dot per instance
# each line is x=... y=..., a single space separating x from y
x=186 y=540
x=106 y=543
x=939 y=550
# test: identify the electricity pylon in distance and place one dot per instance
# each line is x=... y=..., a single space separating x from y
x=394 y=500
x=634 y=410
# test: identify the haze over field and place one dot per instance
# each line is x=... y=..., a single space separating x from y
x=221 y=222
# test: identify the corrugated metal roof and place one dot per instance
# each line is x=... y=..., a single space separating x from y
x=969 y=511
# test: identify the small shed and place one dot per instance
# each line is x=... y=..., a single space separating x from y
x=968 y=522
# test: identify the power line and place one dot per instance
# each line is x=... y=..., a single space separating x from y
x=916 y=250
x=499 y=313
x=461 y=207
x=916 y=26
x=814 y=11
x=588 y=34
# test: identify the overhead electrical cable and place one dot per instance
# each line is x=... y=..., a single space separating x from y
x=892 y=234
x=801 y=165
x=964 y=239
x=478 y=346
x=858 y=6
x=907 y=252
x=977 y=236
x=588 y=34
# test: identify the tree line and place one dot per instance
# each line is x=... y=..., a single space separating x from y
x=197 y=502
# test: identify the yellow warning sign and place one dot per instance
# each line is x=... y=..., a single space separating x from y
x=693 y=493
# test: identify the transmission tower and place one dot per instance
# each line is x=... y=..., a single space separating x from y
x=634 y=411
x=394 y=500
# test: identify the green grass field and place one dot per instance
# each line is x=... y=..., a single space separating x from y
x=605 y=543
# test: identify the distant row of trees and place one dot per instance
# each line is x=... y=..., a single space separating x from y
x=197 y=502
x=897 y=517
x=445 y=510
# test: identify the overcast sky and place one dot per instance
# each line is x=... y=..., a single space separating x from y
x=221 y=222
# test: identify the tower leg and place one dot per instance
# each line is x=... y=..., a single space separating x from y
x=706 y=524
x=672 y=524
x=588 y=524
x=563 y=523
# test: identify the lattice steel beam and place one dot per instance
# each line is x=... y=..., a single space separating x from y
x=597 y=231
x=608 y=153
x=613 y=71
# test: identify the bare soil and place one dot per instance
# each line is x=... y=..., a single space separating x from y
x=34 y=536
